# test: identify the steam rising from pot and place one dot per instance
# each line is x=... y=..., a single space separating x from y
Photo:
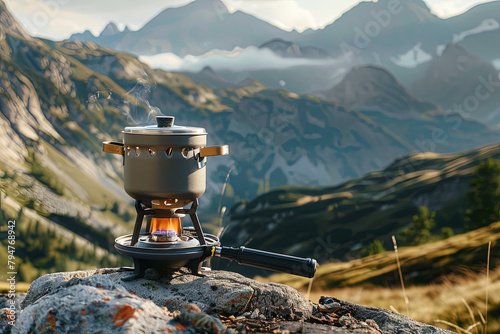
x=132 y=106
x=141 y=92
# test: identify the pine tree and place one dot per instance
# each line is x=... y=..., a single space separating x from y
x=376 y=247
x=484 y=195
x=419 y=232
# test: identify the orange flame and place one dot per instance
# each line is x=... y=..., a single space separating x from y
x=166 y=224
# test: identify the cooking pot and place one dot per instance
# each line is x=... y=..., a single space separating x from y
x=164 y=164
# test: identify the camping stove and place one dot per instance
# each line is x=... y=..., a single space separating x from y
x=164 y=243
x=165 y=171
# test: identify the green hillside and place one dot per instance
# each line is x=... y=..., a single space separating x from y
x=337 y=223
x=422 y=264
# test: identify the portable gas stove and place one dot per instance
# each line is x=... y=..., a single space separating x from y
x=165 y=243
x=165 y=168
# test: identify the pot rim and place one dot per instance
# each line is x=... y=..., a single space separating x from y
x=165 y=126
x=171 y=131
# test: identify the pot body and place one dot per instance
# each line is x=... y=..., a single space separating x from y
x=164 y=167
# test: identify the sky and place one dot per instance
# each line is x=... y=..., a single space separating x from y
x=58 y=19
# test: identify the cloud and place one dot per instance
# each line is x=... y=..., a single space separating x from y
x=58 y=19
x=250 y=58
x=449 y=8
x=49 y=19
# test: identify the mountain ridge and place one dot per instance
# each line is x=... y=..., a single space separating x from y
x=460 y=81
x=172 y=31
x=373 y=87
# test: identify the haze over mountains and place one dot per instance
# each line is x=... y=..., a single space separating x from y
x=404 y=37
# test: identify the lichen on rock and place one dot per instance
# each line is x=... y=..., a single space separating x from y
x=216 y=302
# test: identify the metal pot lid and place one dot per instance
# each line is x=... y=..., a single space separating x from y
x=165 y=126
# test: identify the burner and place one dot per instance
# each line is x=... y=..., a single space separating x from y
x=152 y=241
x=165 y=225
x=165 y=244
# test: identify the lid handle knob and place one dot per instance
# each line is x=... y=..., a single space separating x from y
x=165 y=121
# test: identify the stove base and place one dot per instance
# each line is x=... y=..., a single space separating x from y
x=141 y=265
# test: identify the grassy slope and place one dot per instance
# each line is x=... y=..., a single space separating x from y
x=349 y=216
x=421 y=264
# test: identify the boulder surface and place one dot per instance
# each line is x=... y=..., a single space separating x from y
x=98 y=301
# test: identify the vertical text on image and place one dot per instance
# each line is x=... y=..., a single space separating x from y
x=11 y=272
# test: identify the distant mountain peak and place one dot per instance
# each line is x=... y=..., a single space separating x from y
x=420 y=3
x=193 y=29
x=453 y=49
x=208 y=70
x=216 y=7
x=374 y=87
x=458 y=77
x=88 y=33
x=289 y=49
x=458 y=59
x=276 y=41
x=373 y=74
x=110 y=29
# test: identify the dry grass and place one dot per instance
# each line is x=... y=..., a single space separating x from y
x=20 y=287
x=464 y=295
x=420 y=264
x=458 y=300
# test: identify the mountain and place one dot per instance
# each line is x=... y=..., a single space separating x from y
x=461 y=82
x=477 y=29
x=49 y=167
x=336 y=223
x=277 y=137
x=391 y=28
x=375 y=88
x=60 y=100
x=288 y=49
x=405 y=36
x=372 y=26
x=110 y=30
x=379 y=96
x=211 y=78
x=193 y=29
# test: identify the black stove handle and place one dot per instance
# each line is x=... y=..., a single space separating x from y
x=271 y=261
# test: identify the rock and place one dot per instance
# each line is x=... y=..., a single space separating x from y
x=387 y=321
x=218 y=292
x=6 y=302
x=218 y=302
x=87 y=309
x=330 y=307
x=47 y=283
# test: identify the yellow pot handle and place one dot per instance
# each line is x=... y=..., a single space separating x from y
x=214 y=150
x=112 y=147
